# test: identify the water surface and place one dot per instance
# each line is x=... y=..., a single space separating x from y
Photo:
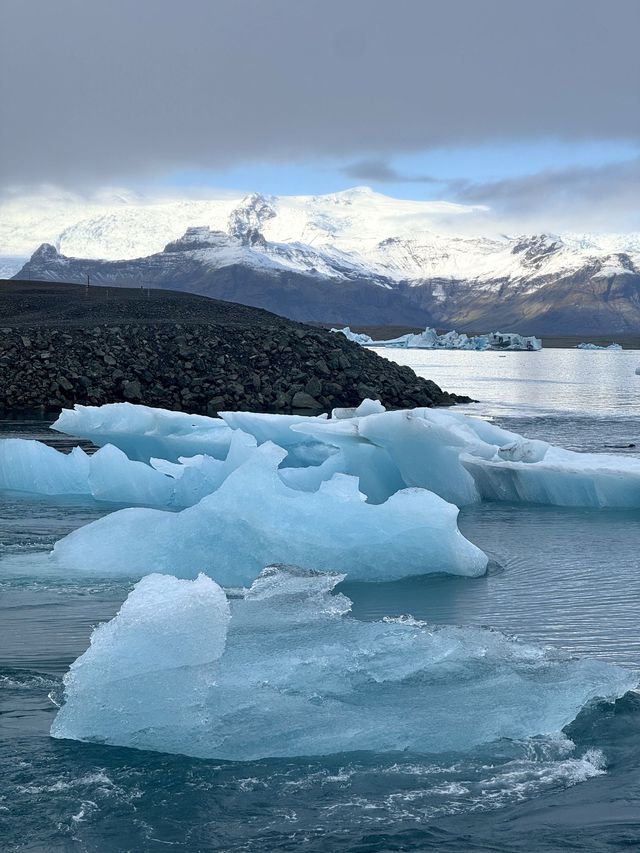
x=569 y=578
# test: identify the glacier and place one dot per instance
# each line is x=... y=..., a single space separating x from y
x=254 y=518
x=430 y=339
x=382 y=237
x=284 y=670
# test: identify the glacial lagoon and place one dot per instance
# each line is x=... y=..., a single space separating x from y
x=562 y=580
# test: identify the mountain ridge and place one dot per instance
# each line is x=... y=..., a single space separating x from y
x=327 y=258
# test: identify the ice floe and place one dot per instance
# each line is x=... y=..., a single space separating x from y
x=254 y=518
x=284 y=670
x=611 y=347
x=430 y=339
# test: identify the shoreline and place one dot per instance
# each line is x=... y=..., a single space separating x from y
x=67 y=344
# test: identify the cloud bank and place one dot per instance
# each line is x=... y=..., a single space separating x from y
x=93 y=92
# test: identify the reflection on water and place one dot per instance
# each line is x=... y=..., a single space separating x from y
x=564 y=577
x=552 y=380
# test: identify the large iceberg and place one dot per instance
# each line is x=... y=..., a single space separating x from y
x=461 y=458
x=285 y=671
x=254 y=518
x=465 y=459
x=430 y=339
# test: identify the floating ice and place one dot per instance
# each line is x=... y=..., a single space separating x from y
x=464 y=459
x=109 y=475
x=267 y=427
x=143 y=432
x=30 y=466
x=613 y=347
x=291 y=673
x=430 y=339
x=459 y=457
x=154 y=662
x=254 y=519
x=357 y=338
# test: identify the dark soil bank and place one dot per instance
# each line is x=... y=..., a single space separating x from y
x=66 y=344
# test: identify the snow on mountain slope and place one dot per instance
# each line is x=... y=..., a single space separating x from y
x=217 y=249
x=355 y=233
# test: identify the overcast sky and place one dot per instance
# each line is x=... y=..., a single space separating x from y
x=531 y=108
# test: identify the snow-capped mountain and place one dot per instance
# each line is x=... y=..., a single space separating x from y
x=356 y=237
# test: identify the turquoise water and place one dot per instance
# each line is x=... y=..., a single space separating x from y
x=566 y=578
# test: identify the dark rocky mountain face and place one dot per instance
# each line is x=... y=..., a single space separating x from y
x=241 y=267
x=294 y=295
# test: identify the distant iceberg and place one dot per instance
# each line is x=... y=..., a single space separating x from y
x=430 y=339
x=284 y=670
x=614 y=347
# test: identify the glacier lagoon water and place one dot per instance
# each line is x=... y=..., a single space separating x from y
x=563 y=577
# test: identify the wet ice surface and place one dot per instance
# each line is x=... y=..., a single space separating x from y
x=566 y=577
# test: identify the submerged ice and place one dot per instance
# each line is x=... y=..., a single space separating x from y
x=284 y=670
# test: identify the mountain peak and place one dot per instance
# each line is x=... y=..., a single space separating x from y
x=198 y=237
x=45 y=252
x=247 y=220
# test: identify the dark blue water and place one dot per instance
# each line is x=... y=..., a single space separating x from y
x=569 y=578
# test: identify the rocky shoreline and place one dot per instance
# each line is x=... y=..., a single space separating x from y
x=201 y=369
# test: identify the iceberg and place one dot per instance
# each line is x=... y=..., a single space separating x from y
x=613 y=347
x=465 y=459
x=461 y=458
x=254 y=518
x=31 y=466
x=357 y=338
x=154 y=661
x=110 y=476
x=284 y=670
x=430 y=339
x=143 y=432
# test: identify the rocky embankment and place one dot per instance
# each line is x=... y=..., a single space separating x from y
x=224 y=357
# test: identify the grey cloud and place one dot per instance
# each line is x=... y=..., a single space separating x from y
x=94 y=92
x=379 y=171
x=604 y=197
